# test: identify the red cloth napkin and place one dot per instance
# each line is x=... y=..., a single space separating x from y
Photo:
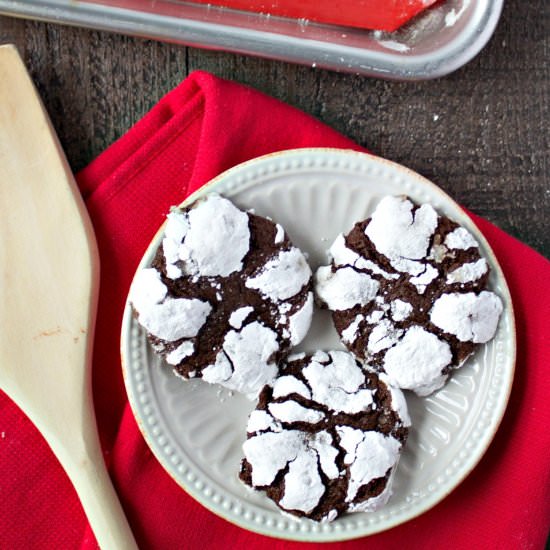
x=203 y=127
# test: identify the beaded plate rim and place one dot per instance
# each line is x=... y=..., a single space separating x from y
x=239 y=511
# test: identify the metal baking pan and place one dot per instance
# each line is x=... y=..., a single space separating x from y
x=435 y=43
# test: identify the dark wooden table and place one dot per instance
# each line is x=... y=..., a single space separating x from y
x=480 y=133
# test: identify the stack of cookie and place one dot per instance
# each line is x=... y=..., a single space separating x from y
x=228 y=297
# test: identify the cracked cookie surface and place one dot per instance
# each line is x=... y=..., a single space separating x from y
x=406 y=288
x=226 y=296
x=325 y=437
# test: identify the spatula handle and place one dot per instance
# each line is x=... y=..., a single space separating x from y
x=84 y=464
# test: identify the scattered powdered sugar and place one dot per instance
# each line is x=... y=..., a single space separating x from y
x=249 y=355
x=198 y=254
x=394 y=45
x=336 y=385
x=400 y=310
x=453 y=16
x=460 y=239
x=470 y=317
x=283 y=276
x=290 y=411
x=164 y=317
x=237 y=318
x=468 y=273
x=417 y=359
x=299 y=322
x=284 y=307
x=344 y=288
x=398 y=233
x=369 y=454
x=285 y=385
x=185 y=349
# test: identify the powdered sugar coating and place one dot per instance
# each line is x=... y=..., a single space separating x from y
x=305 y=431
x=197 y=252
x=300 y=321
x=383 y=336
x=162 y=316
x=467 y=273
x=270 y=452
x=336 y=385
x=417 y=360
x=422 y=280
x=283 y=276
x=280 y=235
x=177 y=226
x=246 y=360
x=290 y=411
x=350 y=333
x=400 y=310
x=226 y=297
x=304 y=486
x=398 y=401
x=345 y=287
x=286 y=385
x=185 y=349
x=239 y=315
x=461 y=239
x=399 y=233
x=259 y=421
x=421 y=257
x=342 y=255
x=369 y=454
x=469 y=317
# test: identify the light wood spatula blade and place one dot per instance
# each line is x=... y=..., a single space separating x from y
x=48 y=295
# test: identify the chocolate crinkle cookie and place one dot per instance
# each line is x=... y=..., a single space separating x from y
x=406 y=288
x=325 y=437
x=226 y=297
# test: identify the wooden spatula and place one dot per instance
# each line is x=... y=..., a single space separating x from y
x=48 y=294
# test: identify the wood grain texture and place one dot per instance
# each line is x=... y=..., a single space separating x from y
x=481 y=133
x=34 y=177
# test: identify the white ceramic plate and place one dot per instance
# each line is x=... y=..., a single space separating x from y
x=196 y=430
